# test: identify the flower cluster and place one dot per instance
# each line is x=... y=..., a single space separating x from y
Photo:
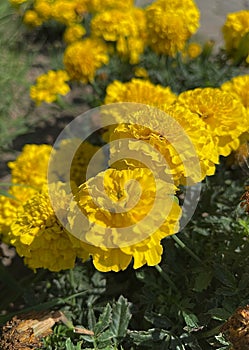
x=95 y=31
x=45 y=240
x=38 y=235
x=29 y=174
x=66 y=12
x=48 y=86
x=235 y=32
x=125 y=28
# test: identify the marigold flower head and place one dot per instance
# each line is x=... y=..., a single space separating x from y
x=125 y=28
x=193 y=50
x=139 y=91
x=225 y=116
x=174 y=135
x=83 y=58
x=31 y=18
x=74 y=33
x=234 y=30
x=111 y=202
x=170 y=24
x=239 y=88
x=9 y=207
x=64 y=11
x=43 y=8
x=48 y=86
x=39 y=237
x=30 y=167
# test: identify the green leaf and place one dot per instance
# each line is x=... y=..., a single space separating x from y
x=158 y=320
x=153 y=334
x=103 y=338
x=202 y=281
x=121 y=316
x=104 y=320
x=219 y=314
x=91 y=318
x=243 y=49
x=190 y=319
x=225 y=276
x=70 y=346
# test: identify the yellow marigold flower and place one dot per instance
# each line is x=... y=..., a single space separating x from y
x=139 y=91
x=48 y=86
x=103 y=5
x=82 y=154
x=39 y=237
x=225 y=116
x=83 y=58
x=170 y=24
x=9 y=207
x=73 y=33
x=64 y=11
x=179 y=136
x=112 y=202
x=234 y=30
x=31 y=18
x=239 y=88
x=125 y=28
x=30 y=167
x=43 y=9
x=194 y=50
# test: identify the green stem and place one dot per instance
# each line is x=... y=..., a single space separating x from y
x=183 y=246
x=166 y=277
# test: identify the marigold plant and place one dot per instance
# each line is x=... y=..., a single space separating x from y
x=239 y=88
x=82 y=59
x=139 y=91
x=225 y=116
x=111 y=202
x=9 y=207
x=48 y=86
x=170 y=24
x=39 y=237
x=74 y=33
x=235 y=32
x=30 y=167
x=174 y=135
x=125 y=28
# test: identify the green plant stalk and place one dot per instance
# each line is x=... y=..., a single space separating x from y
x=188 y=250
x=166 y=277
